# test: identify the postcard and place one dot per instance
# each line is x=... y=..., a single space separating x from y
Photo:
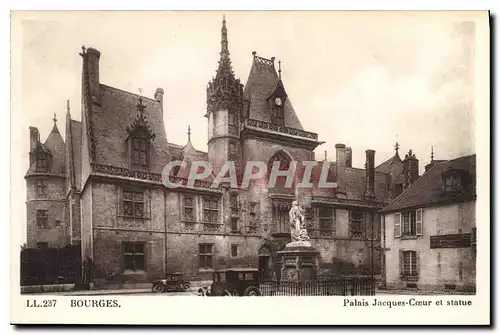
x=250 y=167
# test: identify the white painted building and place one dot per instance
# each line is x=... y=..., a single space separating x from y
x=429 y=231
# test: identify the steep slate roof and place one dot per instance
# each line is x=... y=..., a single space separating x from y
x=351 y=183
x=54 y=147
x=385 y=167
x=262 y=81
x=112 y=121
x=428 y=189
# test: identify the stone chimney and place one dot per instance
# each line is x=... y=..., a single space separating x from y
x=410 y=169
x=370 y=174
x=159 y=96
x=348 y=157
x=93 y=57
x=340 y=154
x=34 y=138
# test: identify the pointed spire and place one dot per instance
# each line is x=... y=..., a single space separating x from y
x=279 y=69
x=326 y=157
x=68 y=111
x=224 y=89
x=224 y=52
x=54 y=127
x=189 y=133
x=396 y=147
x=432 y=153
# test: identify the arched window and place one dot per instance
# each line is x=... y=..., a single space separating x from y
x=284 y=164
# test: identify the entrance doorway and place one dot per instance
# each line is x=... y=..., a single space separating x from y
x=264 y=267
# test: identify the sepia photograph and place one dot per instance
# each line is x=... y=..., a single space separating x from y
x=164 y=155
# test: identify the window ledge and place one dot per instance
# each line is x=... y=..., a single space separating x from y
x=410 y=278
x=409 y=237
x=128 y=217
x=205 y=270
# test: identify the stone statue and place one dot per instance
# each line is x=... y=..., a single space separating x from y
x=298 y=229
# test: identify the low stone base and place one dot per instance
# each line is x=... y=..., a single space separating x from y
x=298 y=244
x=298 y=261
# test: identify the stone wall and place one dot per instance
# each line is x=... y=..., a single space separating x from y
x=57 y=232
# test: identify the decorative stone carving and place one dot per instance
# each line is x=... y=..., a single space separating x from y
x=145 y=175
x=280 y=129
x=298 y=230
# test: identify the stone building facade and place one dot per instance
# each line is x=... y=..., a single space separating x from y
x=429 y=232
x=134 y=228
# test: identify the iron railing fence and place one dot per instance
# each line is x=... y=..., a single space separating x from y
x=335 y=286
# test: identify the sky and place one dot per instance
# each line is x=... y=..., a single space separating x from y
x=362 y=79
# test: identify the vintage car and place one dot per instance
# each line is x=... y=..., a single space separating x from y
x=174 y=282
x=235 y=282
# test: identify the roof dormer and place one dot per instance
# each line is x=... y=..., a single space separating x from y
x=455 y=180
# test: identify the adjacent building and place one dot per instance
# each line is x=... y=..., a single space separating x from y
x=106 y=187
x=429 y=231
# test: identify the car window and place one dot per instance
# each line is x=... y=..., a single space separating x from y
x=222 y=276
x=249 y=276
x=241 y=276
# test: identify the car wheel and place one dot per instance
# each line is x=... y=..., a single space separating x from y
x=227 y=293
x=252 y=291
x=158 y=288
x=186 y=287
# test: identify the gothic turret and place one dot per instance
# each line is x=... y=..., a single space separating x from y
x=224 y=91
x=224 y=104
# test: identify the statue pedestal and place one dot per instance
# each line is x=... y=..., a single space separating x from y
x=298 y=261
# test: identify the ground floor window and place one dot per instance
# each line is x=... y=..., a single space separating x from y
x=409 y=267
x=133 y=256
x=205 y=256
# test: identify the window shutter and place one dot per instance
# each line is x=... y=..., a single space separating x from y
x=397 y=224
x=419 y=222
x=401 y=263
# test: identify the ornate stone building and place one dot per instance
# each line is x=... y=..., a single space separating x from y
x=113 y=200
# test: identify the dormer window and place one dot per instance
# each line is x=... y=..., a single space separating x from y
x=452 y=183
x=41 y=162
x=278 y=116
x=453 y=180
x=139 y=138
x=140 y=152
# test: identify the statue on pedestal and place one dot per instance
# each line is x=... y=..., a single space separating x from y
x=298 y=229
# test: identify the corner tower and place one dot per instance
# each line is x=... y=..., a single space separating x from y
x=46 y=191
x=224 y=103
